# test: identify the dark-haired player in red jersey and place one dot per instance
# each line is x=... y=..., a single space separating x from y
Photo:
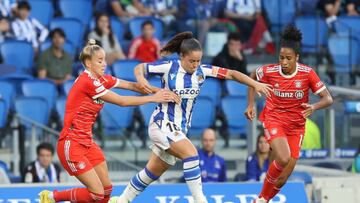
x=285 y=111
x=78 y=153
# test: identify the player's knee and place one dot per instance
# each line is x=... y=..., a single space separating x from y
x=283 y=160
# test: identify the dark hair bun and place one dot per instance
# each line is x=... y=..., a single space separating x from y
x=292 y=33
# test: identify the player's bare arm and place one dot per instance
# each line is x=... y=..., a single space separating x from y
x=127 y=85
x=325 y=101
x=139 y=72
x=250 y=110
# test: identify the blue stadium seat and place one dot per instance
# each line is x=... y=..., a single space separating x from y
x=348 y=26
x=236 y=89
x=66 y=86
x=124 y=69
x=118 y=28
x=73 y=29
x=68 y=47
x=42 y=10
x=38 y=112
x=234 y=108
x=203 y=116
x=135 y=26
x=3 y=113
x=155 y=81
x=11 y=55
x=7 y=93
x=314 y=32
x=345 y=53
x=280 y=13
x=146 y=112
x=301 y=176
x=60 y=108
x=79 y=9
x=212 y=89
x=40 y=88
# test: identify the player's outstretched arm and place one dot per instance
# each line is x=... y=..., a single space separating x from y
x=132 y=86
x=160 y=96
x=325 y=101
x=144 y=84
x=242 y=78
x=250 y=110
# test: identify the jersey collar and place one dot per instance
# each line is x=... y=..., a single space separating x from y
x=289 y=76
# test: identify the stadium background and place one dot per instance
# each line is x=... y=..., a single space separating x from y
x=30 y=117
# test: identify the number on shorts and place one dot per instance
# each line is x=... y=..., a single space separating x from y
x=172 y=127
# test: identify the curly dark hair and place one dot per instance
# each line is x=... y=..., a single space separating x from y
x=291 y=38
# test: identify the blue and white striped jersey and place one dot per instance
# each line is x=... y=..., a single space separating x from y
x=186 y=85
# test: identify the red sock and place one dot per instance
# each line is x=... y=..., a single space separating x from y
x=272 y=175
x=107 y=192
x=79 y=195
x=274 y=191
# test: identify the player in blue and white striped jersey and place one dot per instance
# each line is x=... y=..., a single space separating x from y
x=170 y=122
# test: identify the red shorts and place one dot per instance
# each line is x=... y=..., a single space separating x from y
x=77 y=158
x=294 y=137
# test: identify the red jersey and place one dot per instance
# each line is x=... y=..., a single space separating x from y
x=144 y=50
x=83 y=105
x=290 y=91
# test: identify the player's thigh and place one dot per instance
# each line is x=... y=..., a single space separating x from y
x=182 y=149
x=92 y=182
x=103 y=173
x=156 y=165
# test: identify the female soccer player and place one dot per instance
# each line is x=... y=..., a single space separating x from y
x=285 y=111
x=78 y=153
x=170 y=122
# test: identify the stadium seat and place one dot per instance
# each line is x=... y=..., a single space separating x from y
x=60 y=108
x=235 y=89
x=348 y=26
x=79 y=9
x=7 y=93
x=40 y=88
x=146 y=112
x=135 y=26
x=42 y=10
x=3 y=113
x=124 y=69
x=39 y=111
x=118 y=28
x=66 y=87
x=301 y=176
x=212 y=89
x=314 y=32
x=234 y=107
x=73 y=29
x=68 y=47
x=280 y=13
x=203 y=116
x=11 y=55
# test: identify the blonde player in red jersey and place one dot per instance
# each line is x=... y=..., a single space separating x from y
x=78 y=153
x=285 y=111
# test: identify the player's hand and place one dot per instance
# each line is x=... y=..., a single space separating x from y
x=250 y=112
x=166 y=96
x=145 y=86
x=309 y=109
x=263 y=88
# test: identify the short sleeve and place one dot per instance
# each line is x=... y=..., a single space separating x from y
x=260 y=74
x=158 y=68
x=315 y=83
x=214 y=71
x=109 y=81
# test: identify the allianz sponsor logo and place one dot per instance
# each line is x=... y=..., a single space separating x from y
x=239 y=198
x=297 y=94
x=188 y=93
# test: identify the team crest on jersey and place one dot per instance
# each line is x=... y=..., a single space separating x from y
x=276 y=85
x=97 y=83
x=299 y=94
x=200 y=78
x=274 y=131
x=298 y=84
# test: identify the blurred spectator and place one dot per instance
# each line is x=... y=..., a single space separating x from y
x=352 y=7
x=126 y=9
x=307 y=7
x=213 y=168
x=4 y=29
x=248 y=18
x=7 y=8
x=27 y=28
x=330 y=9
x=104 y=36
x=356 y=163
x=42 y=170
x=258 y=163
x=163 y=9
x=312 y=137
x=231 y=56
x=55 y=63
x=146 y=47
